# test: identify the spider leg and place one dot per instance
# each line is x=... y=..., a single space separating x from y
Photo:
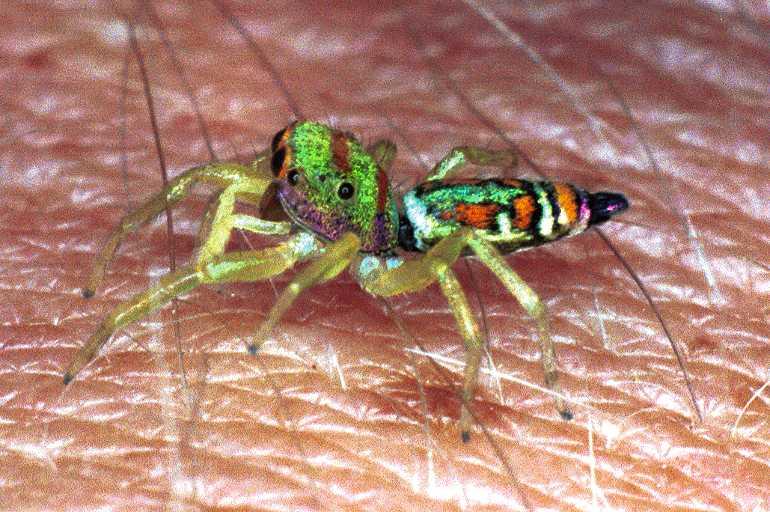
x=220 y=220
x=212 y=265
x=238 y=266
x=460 y=156
x=171 y=285
x=219 y=174
x=336 y=257
x=384 y=152
x=532 y=304
x=472 y=339
x=414 y=275
x=417 y=274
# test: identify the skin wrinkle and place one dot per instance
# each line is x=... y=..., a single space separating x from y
x=103 y=442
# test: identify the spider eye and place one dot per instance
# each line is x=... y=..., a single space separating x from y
x=277 y=161
x=345 y=191
x=277 y=140
x=293 y=177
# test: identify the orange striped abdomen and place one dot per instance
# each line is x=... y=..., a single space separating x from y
x=510 y=213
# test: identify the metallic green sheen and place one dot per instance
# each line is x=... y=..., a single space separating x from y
x=425 y=204
x=311 y=147
x=479 y=192
x=363 y=170
x=312 y=153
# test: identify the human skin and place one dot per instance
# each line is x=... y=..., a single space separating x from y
x=665 y=103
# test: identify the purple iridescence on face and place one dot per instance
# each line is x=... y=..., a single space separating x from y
x=306 y=214
x=382 y=233
x=330 y=227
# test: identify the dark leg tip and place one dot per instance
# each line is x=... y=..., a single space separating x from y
x=253 y=349
x=86 y=293
x=67 y=378
x=566 y=415
x=466 y=436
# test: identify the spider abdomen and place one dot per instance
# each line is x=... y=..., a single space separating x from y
x=510 y=213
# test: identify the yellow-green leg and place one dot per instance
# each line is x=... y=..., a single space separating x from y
x=434 y=265
x=414 y=275
x=239 y=266
x=140 y=305
x=336 y=257
x=219 y=174
x=474 y=344
x=532 y=304
x=461 y=156
x=384 y=152
x=220 y=220
x=212 y=265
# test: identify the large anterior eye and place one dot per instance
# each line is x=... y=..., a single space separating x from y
x=277 y=140
x=345 y=191
x=293 y=177
x=276 y=163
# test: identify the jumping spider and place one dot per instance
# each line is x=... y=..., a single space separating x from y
x=343 y=214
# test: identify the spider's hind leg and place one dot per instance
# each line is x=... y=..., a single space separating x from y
x=460 y=156
x=472 y=339
x=532 y=304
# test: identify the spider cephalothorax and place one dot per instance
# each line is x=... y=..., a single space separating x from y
x=338 y=193
x=329 y=184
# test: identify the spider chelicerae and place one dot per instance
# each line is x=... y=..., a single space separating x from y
x=343 y=214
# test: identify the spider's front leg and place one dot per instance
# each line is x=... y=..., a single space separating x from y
x=239 y=266
x=434 y=265
x=212 y=264
x=335 y=258
x=218 y=174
